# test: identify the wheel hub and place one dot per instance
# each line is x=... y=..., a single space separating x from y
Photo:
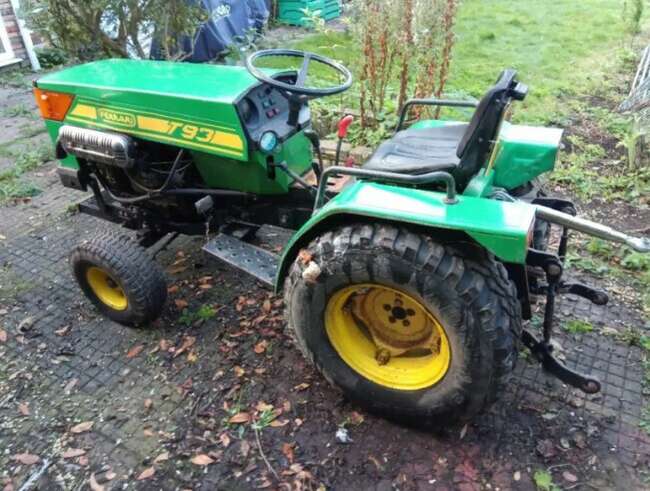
x=387 y=336
x=107 y=290
x=396 y=323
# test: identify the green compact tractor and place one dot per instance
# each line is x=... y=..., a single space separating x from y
x=407 y=280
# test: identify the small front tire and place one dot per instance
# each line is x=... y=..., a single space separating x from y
x=120 y=278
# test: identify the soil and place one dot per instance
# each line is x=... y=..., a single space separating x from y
x=220 y=397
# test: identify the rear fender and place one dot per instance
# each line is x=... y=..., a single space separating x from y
x=502 y=228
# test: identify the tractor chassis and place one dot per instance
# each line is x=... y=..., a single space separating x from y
x=238 y=222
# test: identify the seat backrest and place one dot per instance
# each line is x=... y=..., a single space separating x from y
x=474 y=148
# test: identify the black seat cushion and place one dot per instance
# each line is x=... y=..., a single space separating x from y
x=418 y=151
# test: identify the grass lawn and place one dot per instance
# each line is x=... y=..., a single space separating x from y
x=560 y=47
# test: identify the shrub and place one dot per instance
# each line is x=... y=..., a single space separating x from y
x=406 y=50
x=51 y=57
x=88 y=29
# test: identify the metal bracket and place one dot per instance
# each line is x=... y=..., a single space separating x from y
x=387 y=177
x=543 y=351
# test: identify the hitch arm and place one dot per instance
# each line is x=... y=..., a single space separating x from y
x=639 y=244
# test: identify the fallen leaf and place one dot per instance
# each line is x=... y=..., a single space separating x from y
x=302 y=386
x=135 y=351
x=146 y=474
x=27 y=458
x=188 y=342
x=202 y=459
x=225 y=439
x=244 y=448
x=63 y=331
x=356 y=418
x=94 y=485
x=164 y=345
x=173 y=289
x=3 y=336
x=463 y=431
x=110 y=475
x=263 y=406
x=569 y=477
x=467 y=470
x=70 y=385
x=305 y=256
x=176 y=269
x=23 y=409
x=311 y=272
x=277 y=423
x=239 y=371
x=148 y=403
x=287 y=450
x=192 y=357
x=82 y=427
x=71 y=453
x=161 y=458
x=546 y=449
x=180 y=303
x=261 y=347
x=266 y=306
x=147 y=432
x=240 y=418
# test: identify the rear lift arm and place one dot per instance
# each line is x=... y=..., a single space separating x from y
x=562 y=212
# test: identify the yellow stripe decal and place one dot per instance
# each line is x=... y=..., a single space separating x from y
x=158 y=136
x=205 y=137
x=153 y=124
x=84 y=111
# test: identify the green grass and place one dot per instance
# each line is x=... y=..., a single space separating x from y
x=578 y=327
x=204 y=313
x=12 y=183
x=19 y=110
x=561 y=49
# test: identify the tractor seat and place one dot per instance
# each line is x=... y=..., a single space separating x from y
x=419 y=150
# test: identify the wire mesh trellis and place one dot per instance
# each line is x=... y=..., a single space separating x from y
x=638 y=100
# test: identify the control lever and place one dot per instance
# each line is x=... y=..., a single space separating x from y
x=343 y=127
x=313 y=137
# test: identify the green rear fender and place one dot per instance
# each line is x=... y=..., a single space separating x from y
x=500 y=227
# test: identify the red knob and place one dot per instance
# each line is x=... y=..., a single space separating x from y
x=344 y=124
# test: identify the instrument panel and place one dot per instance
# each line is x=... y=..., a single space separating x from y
x=265 y=109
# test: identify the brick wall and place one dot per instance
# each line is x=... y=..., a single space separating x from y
x=11 y=25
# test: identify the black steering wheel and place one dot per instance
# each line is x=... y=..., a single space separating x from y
x=299 y=91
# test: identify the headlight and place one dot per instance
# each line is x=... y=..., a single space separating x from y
x=268 y=141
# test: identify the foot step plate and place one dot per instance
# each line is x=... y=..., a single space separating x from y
x=255 y=261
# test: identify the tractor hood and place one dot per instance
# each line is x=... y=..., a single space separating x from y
x=188 y=105
x=100 y=79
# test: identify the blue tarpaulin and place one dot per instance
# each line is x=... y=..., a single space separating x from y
x=229 y=20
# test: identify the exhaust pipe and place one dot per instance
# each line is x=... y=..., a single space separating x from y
x=639 y=244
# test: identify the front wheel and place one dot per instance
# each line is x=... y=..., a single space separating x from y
x=120 y=278
x=405 y=326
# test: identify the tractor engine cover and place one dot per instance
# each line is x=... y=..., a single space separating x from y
x=96 y=146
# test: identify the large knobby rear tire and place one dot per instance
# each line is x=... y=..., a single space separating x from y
x=468 y=295
x=120 y=278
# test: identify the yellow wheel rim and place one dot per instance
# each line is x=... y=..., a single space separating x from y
x=387 y=336
x=106 y=289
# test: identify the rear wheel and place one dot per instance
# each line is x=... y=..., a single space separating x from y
x=120 y=278
x=405 y=326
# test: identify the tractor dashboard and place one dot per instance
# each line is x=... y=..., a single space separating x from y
x=264 y=108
